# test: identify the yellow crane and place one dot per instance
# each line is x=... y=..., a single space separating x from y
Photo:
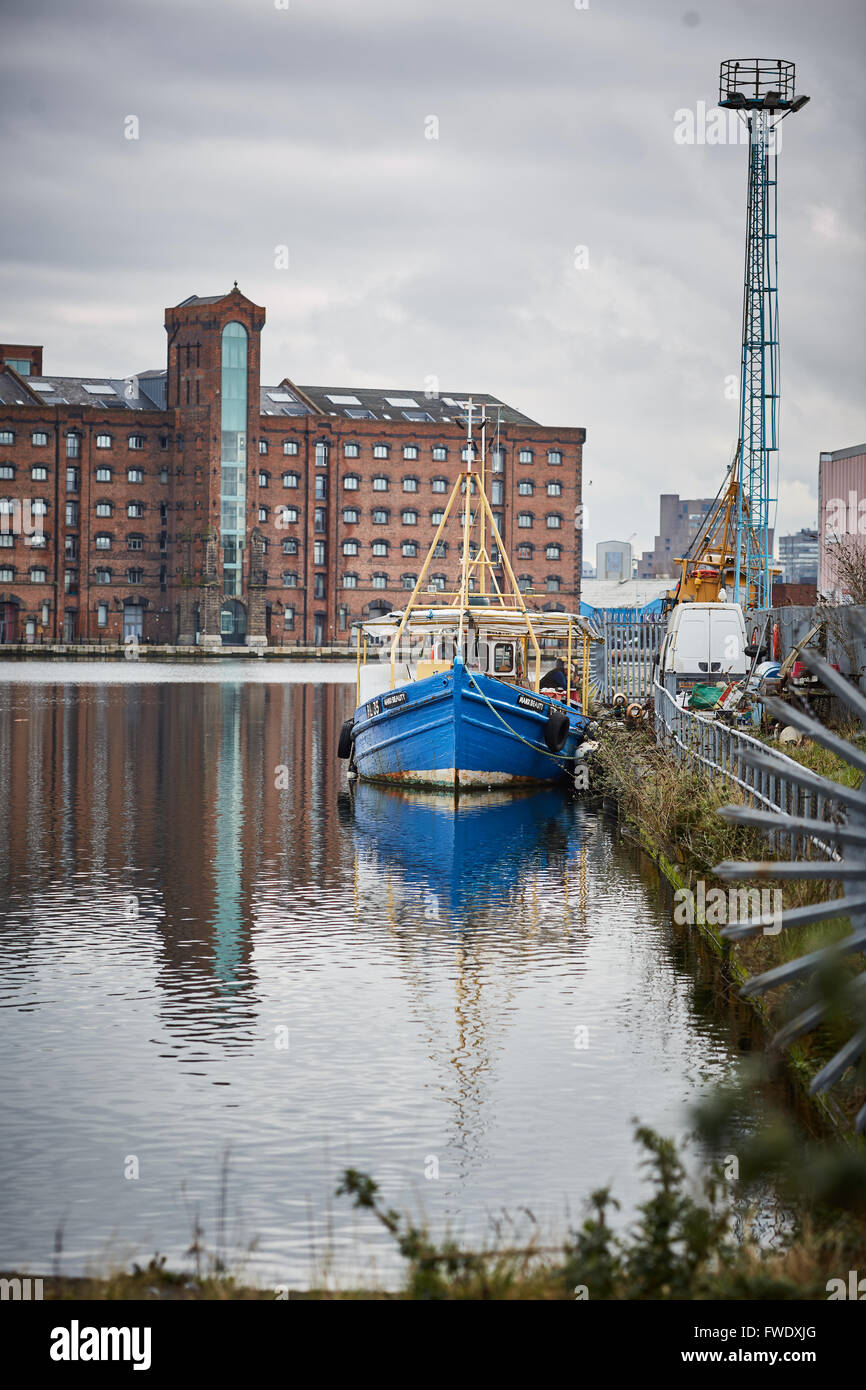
x=709 y=567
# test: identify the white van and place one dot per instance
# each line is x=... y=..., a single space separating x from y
x=704 y=643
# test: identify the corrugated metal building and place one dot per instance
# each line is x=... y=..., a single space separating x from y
x=841 y=513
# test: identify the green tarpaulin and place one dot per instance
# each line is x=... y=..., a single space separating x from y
x=705 y=696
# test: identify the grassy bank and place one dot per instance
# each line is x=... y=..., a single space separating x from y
x=688 y=1241
x=673 y=811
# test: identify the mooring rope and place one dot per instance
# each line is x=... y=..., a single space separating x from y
x=557 y=758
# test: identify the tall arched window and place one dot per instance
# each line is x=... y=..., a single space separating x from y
x=233 y=457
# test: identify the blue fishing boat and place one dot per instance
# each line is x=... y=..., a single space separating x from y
x=450 y=692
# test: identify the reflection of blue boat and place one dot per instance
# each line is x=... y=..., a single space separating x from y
x=469 y=852
x=461 y=701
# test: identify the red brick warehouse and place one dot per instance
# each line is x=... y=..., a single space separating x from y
x=193 y=504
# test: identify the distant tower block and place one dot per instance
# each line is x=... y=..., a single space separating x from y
x=762 y=92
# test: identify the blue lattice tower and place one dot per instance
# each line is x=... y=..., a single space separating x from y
x=761 y=91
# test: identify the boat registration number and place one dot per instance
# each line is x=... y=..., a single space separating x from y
x=530 y=702
x=375 y=707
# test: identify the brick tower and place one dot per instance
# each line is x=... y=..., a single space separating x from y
x=213 y=382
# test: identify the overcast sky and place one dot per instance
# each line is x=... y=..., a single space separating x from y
x=308 y=127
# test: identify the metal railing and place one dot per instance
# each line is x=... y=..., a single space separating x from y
x=627 y=660
x=700 y=739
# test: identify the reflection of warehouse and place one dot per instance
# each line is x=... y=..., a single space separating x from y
x=195 y=504
x=180 y=776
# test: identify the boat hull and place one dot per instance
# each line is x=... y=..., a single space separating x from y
x=461 y=729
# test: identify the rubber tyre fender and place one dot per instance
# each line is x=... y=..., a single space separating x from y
x=344 y=746
x=556 y=730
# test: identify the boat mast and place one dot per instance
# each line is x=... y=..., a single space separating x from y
x=482 y=551
x=467 y=503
